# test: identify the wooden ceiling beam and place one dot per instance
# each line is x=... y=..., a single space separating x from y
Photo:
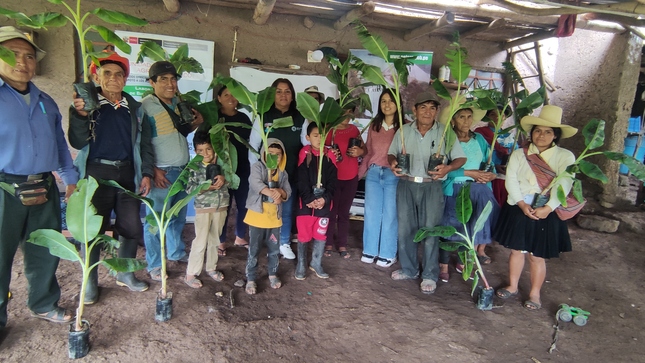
x=172 y=6
x=447 y=19
x=365 y=9
x=529 y=39
x=495 y=24
x=262 y=11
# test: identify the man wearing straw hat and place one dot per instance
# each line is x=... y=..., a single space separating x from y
x=33 y=145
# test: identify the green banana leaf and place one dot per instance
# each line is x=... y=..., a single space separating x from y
x=594 y=133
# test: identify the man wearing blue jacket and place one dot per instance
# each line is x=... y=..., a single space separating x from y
x=33 y=145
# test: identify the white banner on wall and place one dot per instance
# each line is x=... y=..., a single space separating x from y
x=256 y=80
x=202 y=50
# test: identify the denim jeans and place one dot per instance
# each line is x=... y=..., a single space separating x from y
x=239 y=195
x=175 y=247
x=257 y=237
x=380 y=228
x=287 y=217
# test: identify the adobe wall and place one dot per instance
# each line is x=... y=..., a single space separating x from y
x=596 y=75
x=282 y=41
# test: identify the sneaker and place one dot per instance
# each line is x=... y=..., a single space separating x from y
x=384 y=262
x=286 y=252
x=368 y=258
x=183 y=259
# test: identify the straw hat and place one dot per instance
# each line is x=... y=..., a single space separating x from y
x=550 y=116
x=10 y=32
x=478 y=114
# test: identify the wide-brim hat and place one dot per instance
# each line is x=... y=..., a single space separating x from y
x=314 y=89
x=550 y=116
x=478 y=114
x=162 y=67
x=10 y=32
x=113 y=58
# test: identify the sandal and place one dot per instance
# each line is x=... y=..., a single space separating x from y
x=328 y=252
x=400 y=275
x=505 y=294
x=275 y=282
x=216 y=275
x=428 y=286
x=193 y=282
x=484 y=260
x=532 y=305
x=58 y=315
x=251 y=287
x=221 y=251
x=239 y=242
x=345 y=254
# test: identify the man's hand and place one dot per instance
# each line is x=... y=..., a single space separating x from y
x=199 y=119
x=145 y=187
x=69 y=190
x=439 y=171
x=79 y=104
x=161 y=181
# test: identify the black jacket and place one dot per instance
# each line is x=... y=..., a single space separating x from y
x=307 y=177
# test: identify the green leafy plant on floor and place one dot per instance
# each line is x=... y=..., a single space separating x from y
x=160 y=220
x=398 y=69
x=78 y=19
x=331 y=115
x=258 y=104
x=466 y=248
x=594 y=134
x=84 y=225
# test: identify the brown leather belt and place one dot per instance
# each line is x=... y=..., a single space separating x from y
x=417 y=179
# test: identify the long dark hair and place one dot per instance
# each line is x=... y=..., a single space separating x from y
x=292 y=106
x=377 y=121
x=557 y=133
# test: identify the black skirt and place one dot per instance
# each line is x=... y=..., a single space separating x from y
x=544 y=238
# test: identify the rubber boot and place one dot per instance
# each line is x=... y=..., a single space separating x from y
x=128 y=249
x=316 y=259
x=301 y=268
x=92 y=287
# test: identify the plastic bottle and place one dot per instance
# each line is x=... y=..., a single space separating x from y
x=445 y=72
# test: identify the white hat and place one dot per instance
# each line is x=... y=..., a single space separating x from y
x=550 y=116
x=10 y=32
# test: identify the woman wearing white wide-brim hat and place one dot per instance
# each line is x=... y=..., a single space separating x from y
x=535 y=232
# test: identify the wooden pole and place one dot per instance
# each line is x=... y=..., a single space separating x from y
x=365 y=9
x=263 y=11
x=172 y=5
x=446 y=19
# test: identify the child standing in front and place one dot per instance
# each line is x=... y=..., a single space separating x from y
x=314 y=204
x=210 y=213
x=264 y=213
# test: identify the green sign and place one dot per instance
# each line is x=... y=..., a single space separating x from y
x=414 y=57
x=137 y=91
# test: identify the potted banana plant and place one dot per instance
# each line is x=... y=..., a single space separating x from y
x=160 y=220
x=466 y=248
x=86 y=89
x=460 y=70
x=331 y=115
x=258 y=104
x=84 y=225
x=399 y=71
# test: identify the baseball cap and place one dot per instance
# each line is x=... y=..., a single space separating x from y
x=10 y=32
x=426 y=96
x=114 y=59
x=162 y=67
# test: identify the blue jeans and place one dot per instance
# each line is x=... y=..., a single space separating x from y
x=240 y=201
x=380 y=228
x=287 y=217
x=175 y=247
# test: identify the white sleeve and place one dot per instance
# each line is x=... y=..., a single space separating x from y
x=303 y=133
x=255 y=140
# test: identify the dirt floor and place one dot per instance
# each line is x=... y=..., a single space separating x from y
x=357 y=315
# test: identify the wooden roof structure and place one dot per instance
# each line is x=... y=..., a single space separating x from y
x=508 y=22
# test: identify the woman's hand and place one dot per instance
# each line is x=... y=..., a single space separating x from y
x=542 y=212
x=355 y=151
x=527 y=210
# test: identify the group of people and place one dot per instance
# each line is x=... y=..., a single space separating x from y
x=140 y=146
